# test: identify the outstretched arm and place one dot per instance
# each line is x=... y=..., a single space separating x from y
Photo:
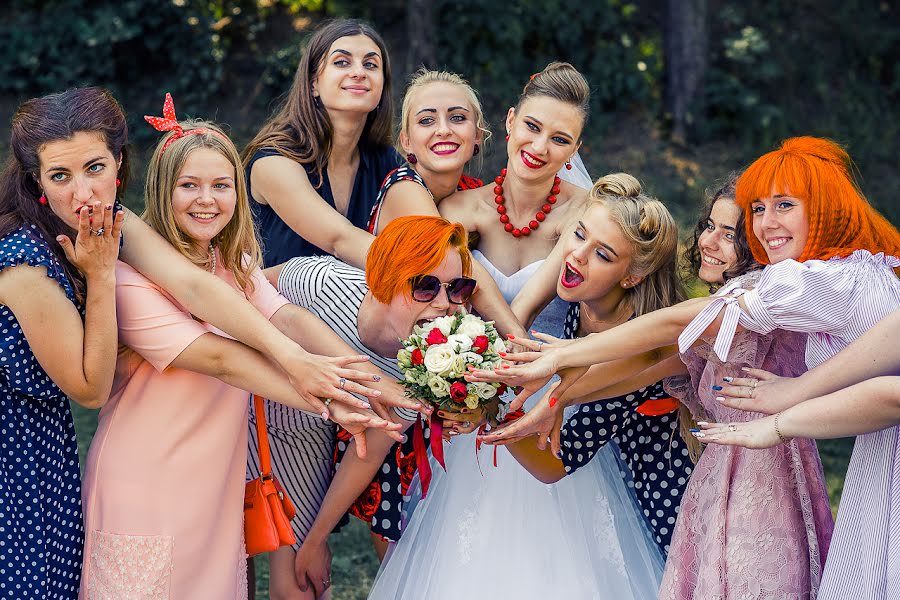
x=541 y=287
x=864 y=407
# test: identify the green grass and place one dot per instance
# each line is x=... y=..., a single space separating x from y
x=354 y=564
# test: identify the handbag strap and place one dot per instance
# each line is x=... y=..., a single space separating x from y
x=262 y=436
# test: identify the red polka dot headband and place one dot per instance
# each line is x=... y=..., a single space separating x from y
x=169 y=122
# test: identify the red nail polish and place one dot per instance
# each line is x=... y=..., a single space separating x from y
x=502 y=353
x=553 y=401
x=511 y=337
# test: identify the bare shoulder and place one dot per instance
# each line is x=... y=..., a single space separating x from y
x=466 y=207
x=275 y=174
x=26 y=281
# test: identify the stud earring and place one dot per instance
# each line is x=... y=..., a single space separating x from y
x=507 y=137
x=411 y=158
x=476 y=150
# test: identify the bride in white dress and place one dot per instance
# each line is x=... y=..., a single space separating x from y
x=486 y=532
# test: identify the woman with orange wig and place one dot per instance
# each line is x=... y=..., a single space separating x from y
x=831 y=274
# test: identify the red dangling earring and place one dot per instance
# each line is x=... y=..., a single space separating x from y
x=507 y=137
x=411 y=158
x=118 y=182
x=42 y=199
x=568 y=166
x=476 y=150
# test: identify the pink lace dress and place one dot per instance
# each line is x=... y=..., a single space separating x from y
x=754 y=524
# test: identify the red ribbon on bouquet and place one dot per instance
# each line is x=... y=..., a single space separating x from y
x=509 y=418
x=437 y=450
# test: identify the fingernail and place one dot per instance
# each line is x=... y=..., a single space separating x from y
x=700 y=423
x=453 y=432
x=505 y=366
x=558 y=454
x=60 y=239
x=694 y=430
x=717 y=387
x=109 y=207
x=553 y=401
x=502 y=353
x=377 y=393
x=441 y=414
x=366 y=404
x=745 y=368
x=510 y=337
x=377 y=378
x=720 y=398
x=728 y=379
x=324 y=414
x=463 y=411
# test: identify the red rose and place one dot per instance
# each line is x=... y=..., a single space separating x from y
x=501 y=390
x=417 y=358
x=480 y=344
x=436 y=336
x=458 y=392
x=407 y=465
x=368 y=502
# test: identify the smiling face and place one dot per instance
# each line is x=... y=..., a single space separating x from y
x=204 y=197
x=781 y=225
x=77 y=172
x=597 y=259
x=718 y=249
x=351 y=78
x=403 y=312
x=442 y=132
x=543 y=135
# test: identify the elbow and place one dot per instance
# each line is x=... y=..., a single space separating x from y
x=549 y=477
x=92 y=400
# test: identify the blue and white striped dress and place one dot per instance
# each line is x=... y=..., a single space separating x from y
x=835 y=302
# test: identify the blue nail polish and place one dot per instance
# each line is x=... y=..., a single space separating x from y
x=717 y=387
x=695 y=430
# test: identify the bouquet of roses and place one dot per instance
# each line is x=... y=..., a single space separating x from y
x=434 y=360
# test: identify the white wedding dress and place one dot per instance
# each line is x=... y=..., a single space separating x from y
x=486 y=533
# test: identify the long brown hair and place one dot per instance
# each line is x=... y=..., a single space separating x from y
x=237 y=243
x=41 y=121
x=301 y=129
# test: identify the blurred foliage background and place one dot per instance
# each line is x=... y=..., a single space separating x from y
x=684 y=91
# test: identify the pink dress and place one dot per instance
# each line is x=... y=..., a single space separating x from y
x=754 y=524
x=164 y=482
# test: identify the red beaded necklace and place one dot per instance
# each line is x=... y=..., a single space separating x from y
x=538 y=218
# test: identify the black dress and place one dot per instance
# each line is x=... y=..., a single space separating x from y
x=652 y=456
x=281 y=243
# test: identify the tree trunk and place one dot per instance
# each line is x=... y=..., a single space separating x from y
x=420 y=30
x=685 y=46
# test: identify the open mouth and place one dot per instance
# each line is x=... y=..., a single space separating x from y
x=778 y=242
x=711 y=261
x=203 y=217
x=444 y=148
x=531 y=161
x=571 y=277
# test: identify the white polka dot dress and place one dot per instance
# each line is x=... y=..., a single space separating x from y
x=41 y=532
x=653 y=457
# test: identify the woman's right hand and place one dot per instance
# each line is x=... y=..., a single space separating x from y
x=760 y=391
x=544 y=420
x=312 y=567
x=357 y=420
x=95 y=255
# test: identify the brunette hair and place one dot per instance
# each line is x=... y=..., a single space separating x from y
x=237 y=243
x=411 y=246
x=819 y=172
x=561 y=81
x=745 y=261
x=44 y=120
x=301 y=129
x=424 y=77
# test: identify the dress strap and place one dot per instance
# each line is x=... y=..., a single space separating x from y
x=726 y=332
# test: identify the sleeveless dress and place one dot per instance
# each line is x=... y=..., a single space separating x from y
x=488 y=532
x=754 y=523
x=41 y=532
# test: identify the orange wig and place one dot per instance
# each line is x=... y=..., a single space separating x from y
x=819 y=172
x=409 y=247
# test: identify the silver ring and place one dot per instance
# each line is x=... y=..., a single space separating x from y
x=755 y=381
x=327 y=401
x=342 y=381
x=98 y=232
x=540 y=345
x=732 y=427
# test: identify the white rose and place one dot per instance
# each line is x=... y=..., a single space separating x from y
x=472 y=401
x=459 y=367
x=445 y=324
x=485 y=390
x=498 y=345
x=440 y=359
x=439 y=386
x=460 y=342
x=471 y=327
x=472 y=358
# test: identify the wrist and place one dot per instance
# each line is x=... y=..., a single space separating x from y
x=778 y=422
x=106 y=277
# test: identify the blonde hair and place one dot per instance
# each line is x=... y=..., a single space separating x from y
x=653 y=233
x=424 y=77
x=563 y=82
x=238 y=247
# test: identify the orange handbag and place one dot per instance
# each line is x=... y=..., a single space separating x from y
x=267 y=510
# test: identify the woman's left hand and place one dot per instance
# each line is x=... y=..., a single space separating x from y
x=312 y=567
x=759 y=433
x=357 y=420
x=544 y=419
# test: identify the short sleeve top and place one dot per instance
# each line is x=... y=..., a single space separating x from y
x=281 y=243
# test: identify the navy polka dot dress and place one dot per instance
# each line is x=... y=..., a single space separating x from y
x=652 y=455
x=41 y=532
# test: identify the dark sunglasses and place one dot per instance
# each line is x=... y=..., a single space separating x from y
x=425 y=288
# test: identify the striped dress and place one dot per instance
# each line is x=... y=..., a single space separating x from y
x=835 y=302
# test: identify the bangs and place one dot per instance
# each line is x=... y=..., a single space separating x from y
x=774 y=174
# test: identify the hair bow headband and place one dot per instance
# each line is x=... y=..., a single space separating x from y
x=169 y=122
